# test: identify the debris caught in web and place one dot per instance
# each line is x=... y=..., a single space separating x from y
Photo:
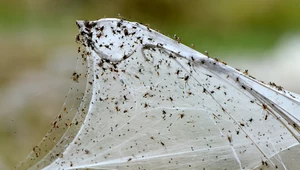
x=151 y=102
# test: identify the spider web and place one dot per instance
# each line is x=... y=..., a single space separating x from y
x=153 y=103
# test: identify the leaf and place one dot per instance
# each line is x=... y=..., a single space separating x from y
x=152 y=103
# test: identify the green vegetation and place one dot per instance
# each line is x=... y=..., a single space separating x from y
x=225 y=25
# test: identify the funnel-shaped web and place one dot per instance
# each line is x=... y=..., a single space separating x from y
x=152 y=103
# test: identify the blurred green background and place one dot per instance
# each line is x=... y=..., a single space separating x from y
x=38 y=51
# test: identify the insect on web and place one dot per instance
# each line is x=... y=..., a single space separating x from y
x=153 y=103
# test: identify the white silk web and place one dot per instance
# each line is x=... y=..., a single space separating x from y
x=152 y=103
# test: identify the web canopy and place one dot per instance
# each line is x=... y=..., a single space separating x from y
x=152 y=103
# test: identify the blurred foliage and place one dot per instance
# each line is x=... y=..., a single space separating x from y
x=31 y=29
x=213 y=25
